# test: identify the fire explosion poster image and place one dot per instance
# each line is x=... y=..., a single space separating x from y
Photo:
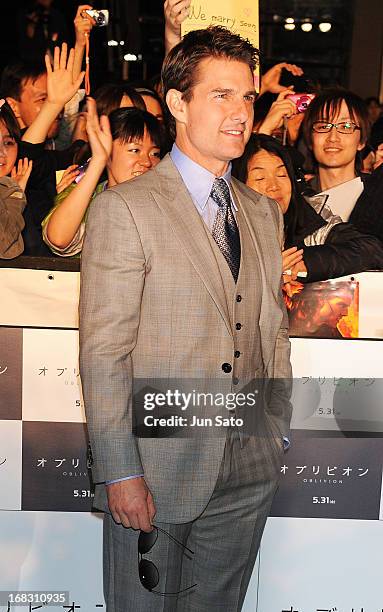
x=328 y=309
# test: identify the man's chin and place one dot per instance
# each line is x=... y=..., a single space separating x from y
x=236 y=152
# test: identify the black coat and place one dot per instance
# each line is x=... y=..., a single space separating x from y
x=41 y=190
x=349 y=248
x=367 y=214
x=346 y=251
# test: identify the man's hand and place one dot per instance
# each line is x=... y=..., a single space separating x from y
x=61 y=86
x=82 y=25
x=131 y=503
x=279 y=109
x=175 y=12
x=270 y=80
x=22 y=173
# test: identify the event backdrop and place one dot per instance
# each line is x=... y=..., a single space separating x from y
x=322 y=548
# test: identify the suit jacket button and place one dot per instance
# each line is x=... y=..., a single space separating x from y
x=239 y=298
x=238 y=326
x=235 y=381
x=237 y=354
x=226 y=367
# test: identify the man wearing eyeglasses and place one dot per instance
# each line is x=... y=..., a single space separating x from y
x=336 y=129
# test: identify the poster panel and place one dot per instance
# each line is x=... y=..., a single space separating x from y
x=320 y=565
x=53 y=551
x=55 y=471
x=11 y=359
x=239 y=16
x=51 y=377
x=330 y=477
x=328 y=309
x=10 y=464
x=39 y=298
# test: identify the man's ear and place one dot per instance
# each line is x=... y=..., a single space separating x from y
x=15 y=107
x=176 y=105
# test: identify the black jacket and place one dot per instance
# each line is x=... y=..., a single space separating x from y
x=345 y=251
x=41 y=190
x=367 y=214
x=355 y=246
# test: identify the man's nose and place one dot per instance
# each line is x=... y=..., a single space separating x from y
x=240 y=111
x=333 y=134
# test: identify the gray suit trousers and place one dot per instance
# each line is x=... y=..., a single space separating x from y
x=225 y=539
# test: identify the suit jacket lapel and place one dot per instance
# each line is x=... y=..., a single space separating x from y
x=175 y=202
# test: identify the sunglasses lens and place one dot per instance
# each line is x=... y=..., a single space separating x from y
x=148 y=574
x=146 y=541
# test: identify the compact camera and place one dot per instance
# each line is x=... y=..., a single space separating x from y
x=101 y=17
x=301 y=100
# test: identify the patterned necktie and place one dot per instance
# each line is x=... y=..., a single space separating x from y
x=225 y=230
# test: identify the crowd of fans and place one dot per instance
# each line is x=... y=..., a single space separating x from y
x=320 y=160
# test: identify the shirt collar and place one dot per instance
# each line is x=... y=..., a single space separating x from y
x=197 y=179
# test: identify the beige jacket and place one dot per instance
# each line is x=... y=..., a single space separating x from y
x=157 y=302
x=12 y=204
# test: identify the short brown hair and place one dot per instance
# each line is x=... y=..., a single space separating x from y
x=326 y=105
x=180 y=68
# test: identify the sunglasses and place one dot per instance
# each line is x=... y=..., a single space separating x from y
x=147 y=570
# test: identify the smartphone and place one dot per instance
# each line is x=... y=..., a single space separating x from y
x=82 y=170
x=301 y=100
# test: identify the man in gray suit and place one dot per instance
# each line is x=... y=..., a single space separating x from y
x=181 y=281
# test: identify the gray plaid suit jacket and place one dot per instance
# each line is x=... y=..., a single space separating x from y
x=154 y=305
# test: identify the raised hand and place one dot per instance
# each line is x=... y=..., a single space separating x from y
x=98 y=130
x=270 y=80
x=61 y=85
x=281 y=108
x=82 y=24
x=175 y=12
x=22 y=172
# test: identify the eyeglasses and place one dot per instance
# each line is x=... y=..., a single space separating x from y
x=344 y=127
x=147 y=571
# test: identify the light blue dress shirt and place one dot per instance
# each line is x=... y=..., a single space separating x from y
x=199 y=183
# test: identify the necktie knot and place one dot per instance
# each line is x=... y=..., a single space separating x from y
x=220 y=193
